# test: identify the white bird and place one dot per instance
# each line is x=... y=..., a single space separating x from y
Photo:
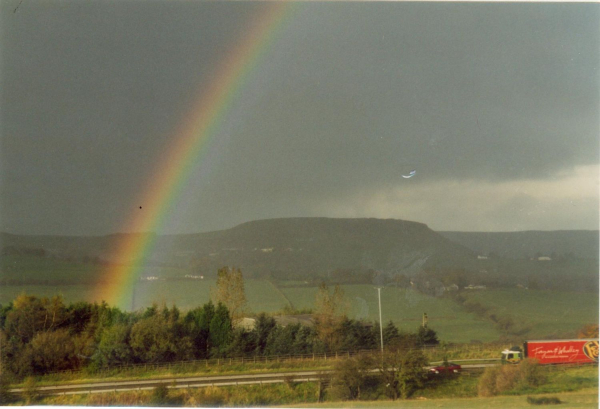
x=410 y=174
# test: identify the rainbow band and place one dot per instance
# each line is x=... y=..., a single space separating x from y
x=190 y=142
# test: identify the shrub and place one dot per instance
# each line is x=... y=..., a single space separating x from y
x=132 y=398
x=530 y=373
x=211 y=396
x=486 y=386
x=411 y=375
x=30 y=391
x=507 y=378
x=501 y=379
x=5 y=396
x=552 y=400
x=349 y=377
x=160 y=395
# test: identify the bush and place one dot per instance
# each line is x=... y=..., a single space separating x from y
x=486 y=386
x=5 y=396
x=507 y=378
x=160 y=395
x=211 y=396
x=30 y=391
x=553 y=400
x=496 y=380
x=350 y=376
x=131 y=398
x=531 y=374
x=411 y=375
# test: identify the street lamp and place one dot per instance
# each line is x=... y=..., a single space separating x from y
x=380 y=321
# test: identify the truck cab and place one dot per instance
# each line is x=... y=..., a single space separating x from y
x=512 y=356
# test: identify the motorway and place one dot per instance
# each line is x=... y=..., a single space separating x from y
x=198 y=382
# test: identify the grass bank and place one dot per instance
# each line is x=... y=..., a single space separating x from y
x=575 y=387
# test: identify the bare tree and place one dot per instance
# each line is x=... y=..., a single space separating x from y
x=330 y=311
x=230 y=292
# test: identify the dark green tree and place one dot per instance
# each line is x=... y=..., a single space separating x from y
x=390 y=333
x=113 y=348
x=263 y=327
x=427 y=336
x=220 y=333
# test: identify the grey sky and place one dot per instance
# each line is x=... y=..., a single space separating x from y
x=495 y=105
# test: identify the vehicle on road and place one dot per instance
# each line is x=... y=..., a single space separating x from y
x=445 y=369
x=556 y=351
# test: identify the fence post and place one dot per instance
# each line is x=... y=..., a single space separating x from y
x=313 y=356
x=326 y=356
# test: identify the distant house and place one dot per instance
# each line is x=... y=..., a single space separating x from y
x=482 y=257
x=475 y=287
x=452 y=287
x=246 y=323
x=544 y=258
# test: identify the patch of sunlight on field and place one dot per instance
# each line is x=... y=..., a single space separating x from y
x=547 y=312
x=571 y=400
x=405 y=308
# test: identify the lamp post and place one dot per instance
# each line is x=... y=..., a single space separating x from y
x=380 y=322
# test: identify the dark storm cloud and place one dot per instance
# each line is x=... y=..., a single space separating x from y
x=91 y=93
x=488 y=91
x=350 y=97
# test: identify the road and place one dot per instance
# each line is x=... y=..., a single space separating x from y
x=197 y=382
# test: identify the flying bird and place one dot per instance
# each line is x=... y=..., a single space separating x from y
x=410 y=174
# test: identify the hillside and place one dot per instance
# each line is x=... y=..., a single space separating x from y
x=298 y=246
x=344 y=250
x=526 y=244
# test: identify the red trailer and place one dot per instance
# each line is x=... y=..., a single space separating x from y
x=560 y=351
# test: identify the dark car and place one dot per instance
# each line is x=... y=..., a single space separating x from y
x=449 y=369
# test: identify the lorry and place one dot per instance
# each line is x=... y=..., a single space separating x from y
x=556 y=351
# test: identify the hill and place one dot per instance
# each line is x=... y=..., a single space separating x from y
x=300 y=246
x=527 y=244
x=311 y=249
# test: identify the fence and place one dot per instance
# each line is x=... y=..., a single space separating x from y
x=432 y=352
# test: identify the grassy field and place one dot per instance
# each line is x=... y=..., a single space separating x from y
x=29 y=268
x=547 y=312
x=405 y=308
x=261 y=294
x=575 y=387
x=581 y=399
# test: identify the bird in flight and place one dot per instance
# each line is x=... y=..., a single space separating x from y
x=410 y=174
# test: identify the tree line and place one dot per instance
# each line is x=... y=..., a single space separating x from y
x=42 y=335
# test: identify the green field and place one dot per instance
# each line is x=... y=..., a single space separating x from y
x=188 y=294
x=39 y=269
x=547 y=312
x=405 y=308
x=582 y=399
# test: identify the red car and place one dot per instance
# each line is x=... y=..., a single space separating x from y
x=452 y=368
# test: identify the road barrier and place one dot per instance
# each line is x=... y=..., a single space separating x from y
x=430 y=352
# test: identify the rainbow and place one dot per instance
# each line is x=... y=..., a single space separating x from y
x=189 y=146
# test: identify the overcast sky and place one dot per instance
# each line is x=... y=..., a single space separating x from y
x=496 y=107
